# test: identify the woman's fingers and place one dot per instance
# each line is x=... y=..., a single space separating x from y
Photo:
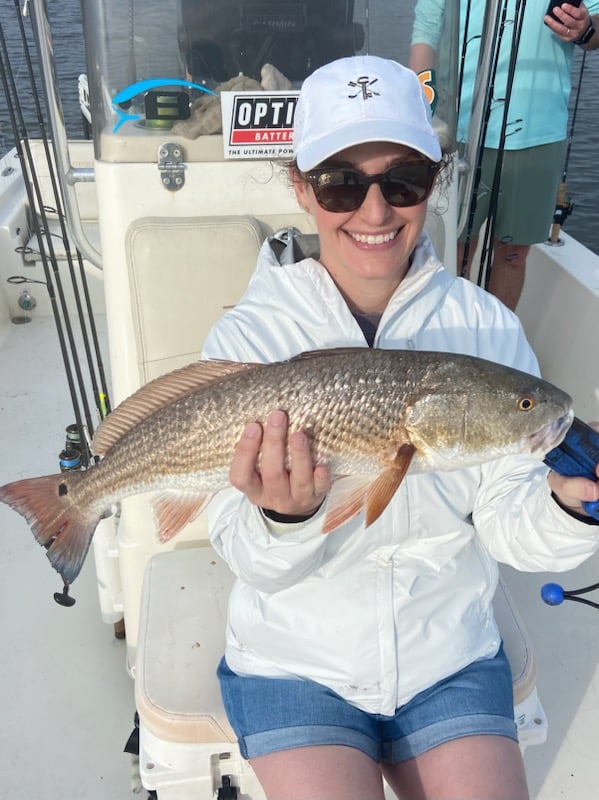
x=276 y=471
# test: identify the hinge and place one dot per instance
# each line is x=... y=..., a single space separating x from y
x=171 y=166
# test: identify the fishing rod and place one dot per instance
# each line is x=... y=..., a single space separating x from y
x=563 y=206
x=486 y=259
x=33 y=192
x=463 y=51
x=53 y=282
x=100 y=393
x=498 y=25
x=39 y=218
x=42 y=230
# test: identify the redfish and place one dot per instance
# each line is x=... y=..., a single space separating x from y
x=370 y=415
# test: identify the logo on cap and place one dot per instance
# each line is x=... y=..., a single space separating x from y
x=362 y=85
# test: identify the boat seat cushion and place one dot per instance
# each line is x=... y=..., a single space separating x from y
x=182 y=638
x=180 y=259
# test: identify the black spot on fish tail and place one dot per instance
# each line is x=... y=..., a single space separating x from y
x=58 y=524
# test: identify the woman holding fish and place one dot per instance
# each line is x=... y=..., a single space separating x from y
x=377 y=480
x=373 y=649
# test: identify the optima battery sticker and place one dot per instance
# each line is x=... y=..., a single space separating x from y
x=258 y=125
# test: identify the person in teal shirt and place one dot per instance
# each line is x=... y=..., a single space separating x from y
x=536 y=125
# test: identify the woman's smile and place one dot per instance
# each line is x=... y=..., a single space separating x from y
x=376 y=239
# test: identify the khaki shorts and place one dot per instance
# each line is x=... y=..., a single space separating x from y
x=527 y=195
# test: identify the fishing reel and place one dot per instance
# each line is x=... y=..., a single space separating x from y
x=71 y=458
x=554 y=595
x=562 y=212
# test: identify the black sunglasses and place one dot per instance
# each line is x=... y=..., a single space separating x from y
x=344 y=188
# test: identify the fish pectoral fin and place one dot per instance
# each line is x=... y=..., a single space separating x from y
x=384 y=487
x=349 y=495
x=174 y=510
x=346 y=500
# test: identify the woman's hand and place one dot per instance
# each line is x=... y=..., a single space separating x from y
x=259 y=468
x=572 y=492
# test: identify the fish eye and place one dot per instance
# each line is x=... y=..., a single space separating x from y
x=526 y=403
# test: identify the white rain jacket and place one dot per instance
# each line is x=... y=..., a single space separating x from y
x=378 y=615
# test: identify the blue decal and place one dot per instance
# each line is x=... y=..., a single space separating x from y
x=144 y=86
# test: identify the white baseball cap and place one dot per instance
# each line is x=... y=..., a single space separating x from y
x=361 y=99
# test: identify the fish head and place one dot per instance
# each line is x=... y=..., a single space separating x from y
x=479 y=411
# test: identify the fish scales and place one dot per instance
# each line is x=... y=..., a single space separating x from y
x=342 y=415
x=370 y=415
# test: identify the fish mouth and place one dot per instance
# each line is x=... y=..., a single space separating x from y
x=550 y=435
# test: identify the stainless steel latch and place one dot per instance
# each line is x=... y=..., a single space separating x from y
x=171 y=166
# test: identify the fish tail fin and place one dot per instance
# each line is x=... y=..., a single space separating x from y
x=63 y=528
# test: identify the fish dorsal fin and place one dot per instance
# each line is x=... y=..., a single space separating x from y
x=328 y=351
x=174 y=510
x=384 y=487
x=157 y=394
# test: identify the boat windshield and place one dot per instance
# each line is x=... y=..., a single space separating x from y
x=154 y=65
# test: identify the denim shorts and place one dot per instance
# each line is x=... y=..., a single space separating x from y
x=271 y=714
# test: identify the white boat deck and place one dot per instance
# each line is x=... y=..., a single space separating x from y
x=65 y=694
x=66 y=697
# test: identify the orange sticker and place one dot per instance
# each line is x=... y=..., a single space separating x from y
x=428 y=80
